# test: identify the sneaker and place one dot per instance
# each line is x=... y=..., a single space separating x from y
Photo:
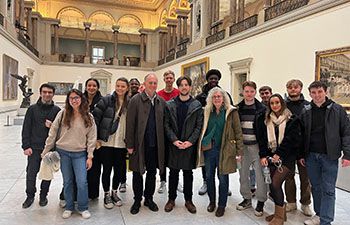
x=162 y=187
x=229 y=193
x=122 y=188
x=43 y=202
x=85 y=214
x=315 y=220
x=259 y=210
x=27 y=203
x=203 y=189
x=306 y=210
x=108 y=202
x=180 y=188
x=62 y=203
x=291 y=207
x=245 y=204
x=117 y=201
x=66 y=214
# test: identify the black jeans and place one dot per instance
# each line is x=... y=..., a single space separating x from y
x=33 y=166
x=151 y=162
x=112 y=158
x=174 y=181
x=123 y=178
x=94 y=175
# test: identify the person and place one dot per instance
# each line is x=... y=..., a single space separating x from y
x=93 y=96
x=110 y=116
x=326 y=132
x=36 y=125
x=134 y=84
x=168 y=93
x=145 y=141
x=279 y=140
x=212 y=76
x=73 y=132
x=183 y=124
x=221 y=143
x=265 y=93
x=249 y=110
x=295 y=103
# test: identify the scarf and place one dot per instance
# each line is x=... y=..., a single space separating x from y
x=281 y=122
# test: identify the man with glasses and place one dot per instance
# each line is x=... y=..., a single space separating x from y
x=36 y=126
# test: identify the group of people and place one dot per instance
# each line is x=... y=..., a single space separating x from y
x=172 y=129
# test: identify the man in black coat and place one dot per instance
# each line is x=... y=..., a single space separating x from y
x=183 y=124
x=295 y=103
x=36 y=126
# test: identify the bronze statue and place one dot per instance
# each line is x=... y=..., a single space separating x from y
x=23 y=86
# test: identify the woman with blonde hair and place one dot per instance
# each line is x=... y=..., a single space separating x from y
x=221 y=144
x=73 y=134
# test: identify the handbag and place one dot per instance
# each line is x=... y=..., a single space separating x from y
x=115 y=124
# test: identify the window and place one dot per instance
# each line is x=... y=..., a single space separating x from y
x=98 y=53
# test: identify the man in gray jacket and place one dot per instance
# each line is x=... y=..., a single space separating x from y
x=326 y=132
x=145 y=141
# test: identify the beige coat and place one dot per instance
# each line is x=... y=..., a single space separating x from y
x=232 y=141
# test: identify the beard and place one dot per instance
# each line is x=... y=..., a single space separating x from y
x=185 y=94
x=294 y=95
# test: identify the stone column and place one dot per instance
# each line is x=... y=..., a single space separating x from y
x=267 y=4
x=240 y=10
x=179 y=30
x=161 y=36
x=165 y=44
x=115 y=29
x=87 y=26
x=29 y=24
x=216 y=10
x=233 y=10
x=184 y=34
x=3 y=8
x=21 y=15
x=169 y=40
x=56 y=48
x=142 y=47
x=210 y=16
x=35 y=33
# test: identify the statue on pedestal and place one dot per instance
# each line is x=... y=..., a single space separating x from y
x=23 y=86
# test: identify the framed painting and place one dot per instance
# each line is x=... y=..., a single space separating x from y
x=196 y=70
x=10 y=84
x=333 y=68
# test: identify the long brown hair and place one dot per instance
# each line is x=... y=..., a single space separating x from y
x=126 y=95
x=83 y=109
x=283 y=105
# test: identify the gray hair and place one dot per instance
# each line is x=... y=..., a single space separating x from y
x=226 y=99
x=150 y=74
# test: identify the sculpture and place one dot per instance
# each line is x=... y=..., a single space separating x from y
x=23 y=86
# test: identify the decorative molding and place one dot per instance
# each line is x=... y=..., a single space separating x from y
x=243 y=64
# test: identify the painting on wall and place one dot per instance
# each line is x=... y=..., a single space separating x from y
x=10 y=84
x=333 y=68
x=196 y=71
x=62 y=88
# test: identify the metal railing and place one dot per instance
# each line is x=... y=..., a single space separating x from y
x=215 y=38
x=26 y=43
x=244 y=25
x=283 y=8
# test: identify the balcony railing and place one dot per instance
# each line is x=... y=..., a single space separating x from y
x=1 y=20
x=215 y=38
x=182 y=46
x=26 y=43
x=283 y=7
x=244 y=25
x=161 y=62
x=171 y=55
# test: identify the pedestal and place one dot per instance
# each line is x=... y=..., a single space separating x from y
x=19 y=119
x=115 y=61
x=87 y=60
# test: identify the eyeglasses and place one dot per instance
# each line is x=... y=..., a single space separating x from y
x=217 y=96
x=75 y=98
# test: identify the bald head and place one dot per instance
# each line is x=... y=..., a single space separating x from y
x=151 y=83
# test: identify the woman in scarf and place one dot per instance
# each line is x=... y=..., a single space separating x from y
x=279 y=141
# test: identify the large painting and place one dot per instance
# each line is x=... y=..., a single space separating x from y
x=196 y=71
x=9 y=87
x=62 y=88
x=333 y=68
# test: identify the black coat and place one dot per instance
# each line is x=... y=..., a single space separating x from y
x=95 y=100
x=183 y=158
x=104 y=114
x=296 y=107
x=337 y=130
x=34 y=131
x=289 y=149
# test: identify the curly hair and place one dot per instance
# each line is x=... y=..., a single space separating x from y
x=226 y=99
x=83 y=110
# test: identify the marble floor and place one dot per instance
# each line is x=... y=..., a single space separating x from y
x=12 y=194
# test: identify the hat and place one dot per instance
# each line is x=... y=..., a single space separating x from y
x=213 y=72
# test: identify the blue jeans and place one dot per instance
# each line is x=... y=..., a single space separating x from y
x=73 y=165
x=323 y=174
x=211 y=160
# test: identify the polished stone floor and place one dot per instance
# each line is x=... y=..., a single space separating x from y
x=12 y=194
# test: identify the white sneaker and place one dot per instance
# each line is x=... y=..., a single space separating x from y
x=291 y=207
x=180 y=188
x=66 y=214
x=122 y=188
x=117 y=201
x=315 y=220
x=203 y=189
x=306 y=210
x=62 y=203
x=162 y=187
x=85 y=214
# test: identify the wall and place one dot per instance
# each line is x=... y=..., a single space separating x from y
x=25 y=62
x=283 y=53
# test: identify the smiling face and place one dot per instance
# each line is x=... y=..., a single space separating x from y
x=169 y=80
x=265 y=95
x=318 y=95
x=218 y=99
x=134 y=86
x=275 y=105
x=294 y=90
x=91 y=87
x=121 y=87
x=213 y=80
x=151 y=84
x=184 y=88
x=74 y=100
x=46 y=94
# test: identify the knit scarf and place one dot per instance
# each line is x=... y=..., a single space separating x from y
x=281 y=122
